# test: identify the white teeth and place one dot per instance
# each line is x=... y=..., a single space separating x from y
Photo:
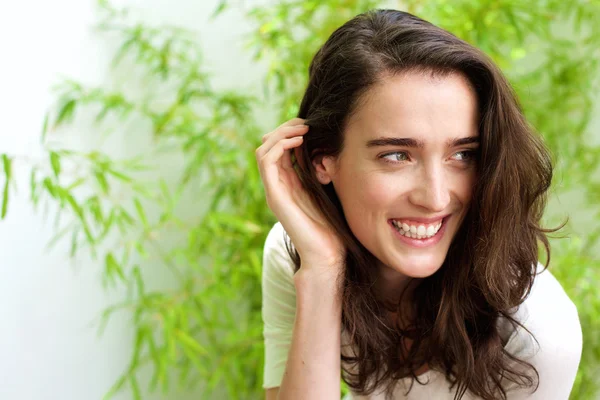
x=414 y=232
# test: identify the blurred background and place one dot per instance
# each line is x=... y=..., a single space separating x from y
x=132 y=212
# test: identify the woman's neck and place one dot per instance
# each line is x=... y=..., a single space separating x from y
x=390 y=284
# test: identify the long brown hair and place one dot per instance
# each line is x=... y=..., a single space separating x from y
x=490 y=266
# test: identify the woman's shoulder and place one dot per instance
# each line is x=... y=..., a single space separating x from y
x=550 y=316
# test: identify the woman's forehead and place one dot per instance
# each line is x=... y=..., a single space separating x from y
x=417 y=106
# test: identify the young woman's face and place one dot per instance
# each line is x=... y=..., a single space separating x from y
x=408 y=163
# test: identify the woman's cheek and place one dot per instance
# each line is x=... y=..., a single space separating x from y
x=378 y=192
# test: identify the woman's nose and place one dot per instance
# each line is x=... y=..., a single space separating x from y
x=431 y=190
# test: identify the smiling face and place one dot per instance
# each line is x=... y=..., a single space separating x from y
x=409 y=156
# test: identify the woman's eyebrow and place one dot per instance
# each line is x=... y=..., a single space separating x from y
x=410 y=142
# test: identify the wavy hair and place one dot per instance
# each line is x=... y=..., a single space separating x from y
x=488 y=271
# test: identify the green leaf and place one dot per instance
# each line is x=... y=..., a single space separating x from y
x=55 y=163
x=119 y=175
x=118 y=386
x=215 y=378
x=66 y=195
x=74 y=243
x=78 y=211
x=101 y=179
x=125 y=216
x=135 y=387
x=7 y=164
x=164 y=188
x=137 y=275
x=139 y=247
x=108 y=312
x=45 y=128
x=157 y=359
x=220 y=8
x=4 y=200
x=113 y=267
x=57 y=236
x=49 y=185
x=66 y=112
x=123 y=50
x=140 y=211
x=190 y=342
x=107 y=224
x=95 y=209
x=33 y=185
x=76 y=183
x=137 y=349
x=241 y=224
x=193 y=357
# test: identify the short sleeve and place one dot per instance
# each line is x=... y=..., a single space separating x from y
x=553 y=320
x=278 y=306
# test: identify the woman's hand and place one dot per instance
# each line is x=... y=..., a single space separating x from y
x=316 y=242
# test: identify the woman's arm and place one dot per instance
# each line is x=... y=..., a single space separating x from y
x=313 y=365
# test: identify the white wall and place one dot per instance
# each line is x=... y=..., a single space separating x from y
x=48 y=303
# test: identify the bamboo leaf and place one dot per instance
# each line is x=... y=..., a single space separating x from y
x=101 y=179
x=74 y=243
x=125 y=216
x=137 y=349
x=193 y=357
x=33 y=186
x=113 y=267
x=66 y=112
x=107 y=224
x=119 y=175
x=135 y=387
x=4 y=200
x=7 y=164
x=139 y=246
x=78 y=211
x=59 y=235
x=219 y=9
x=158 y=362
x=139 y=280
x=47 y=183
x=107 y=313
x=118 y=386
x=44 y=128
x=55 y=163
x=189 y=341
x=140 y=211
x=165 y=191
x=76 y=183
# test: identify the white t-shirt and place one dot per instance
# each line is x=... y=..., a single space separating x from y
x=547 y=312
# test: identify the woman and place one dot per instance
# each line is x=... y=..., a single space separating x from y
x=411 y=190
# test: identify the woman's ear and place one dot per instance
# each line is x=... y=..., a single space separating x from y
x=325 y=167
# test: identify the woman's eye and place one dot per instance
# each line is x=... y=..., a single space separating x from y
x=466 y=155
x=396 y=156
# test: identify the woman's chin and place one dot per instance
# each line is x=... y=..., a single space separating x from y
x=417 y=269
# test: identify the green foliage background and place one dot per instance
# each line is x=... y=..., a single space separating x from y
x=206 y=331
